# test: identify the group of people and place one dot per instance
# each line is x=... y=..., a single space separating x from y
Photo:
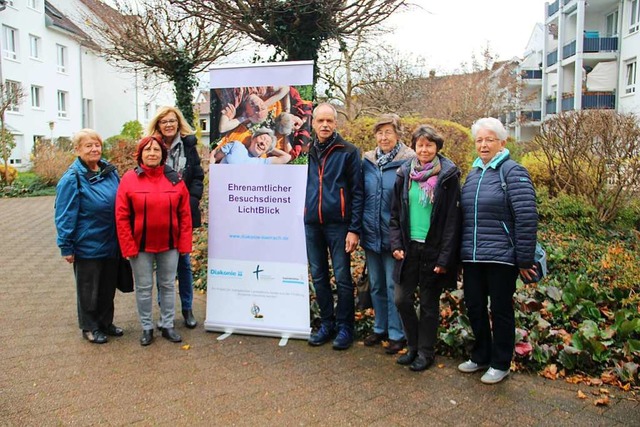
x=147 y=219
x=405 y=206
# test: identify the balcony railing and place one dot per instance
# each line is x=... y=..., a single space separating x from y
x=569 y=50
x=553 y=8
x=601 y=44
x=551 y=106
x=531 y=74
x=552 y=58
x=590 y=101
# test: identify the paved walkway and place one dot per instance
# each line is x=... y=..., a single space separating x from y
x=50 y=376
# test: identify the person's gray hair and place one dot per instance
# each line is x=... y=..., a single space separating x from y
x=326 y=104
x=266 y=131
x=80 y=135
x=491 y=124
x=428 y=133
x=284 y=123
x=389 y=119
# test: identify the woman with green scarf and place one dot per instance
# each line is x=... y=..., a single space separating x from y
x=424 y=234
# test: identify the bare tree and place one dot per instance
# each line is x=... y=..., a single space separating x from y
x=594 y=154
x=370 y=79
x=295 y=28
x=485 y=87
x=160 y=37
x=11 y=95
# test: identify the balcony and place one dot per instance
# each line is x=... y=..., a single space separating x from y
x=551 y=106
x=531 y=116
x=531 y=74
x=591 y=45
x=553 y=8
x=568 y=50
x=590 y=101
x=552 y=58
x=600 y=44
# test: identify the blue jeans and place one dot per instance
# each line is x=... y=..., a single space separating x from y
x=381 y=283
x=185 y=282
x=323 y=240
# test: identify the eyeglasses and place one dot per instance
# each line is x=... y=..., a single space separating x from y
x=487 y=140
x=168 y=122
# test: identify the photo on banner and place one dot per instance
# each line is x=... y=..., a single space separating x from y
x=257 y=281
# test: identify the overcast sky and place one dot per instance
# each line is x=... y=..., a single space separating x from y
x=447 y=32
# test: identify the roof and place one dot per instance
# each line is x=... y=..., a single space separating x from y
x=55 y=18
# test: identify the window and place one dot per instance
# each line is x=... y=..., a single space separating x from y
x=630 y=78
x=634 y=22
x=62 y=103
x=612 y=24
x=33 y=4
x=36 y=96
x=13 y=94
x=203 y=124
x=10 y=44
x=147 y=108
x=35 y=46
x=62 y=58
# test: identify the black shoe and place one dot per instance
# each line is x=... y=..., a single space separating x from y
x=189 y=321
x=147 y=337
x=171 y=335
x=114 y=331
x=421 y=363
x=395 y=346
x=407 y=358
x=374 y=339
x=96 y=336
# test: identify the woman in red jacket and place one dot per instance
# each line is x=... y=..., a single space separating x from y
x=153 y=220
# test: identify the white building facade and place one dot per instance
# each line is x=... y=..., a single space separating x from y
x=585 y=56
x=67 y=85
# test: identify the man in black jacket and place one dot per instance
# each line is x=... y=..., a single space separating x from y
x=333 y=217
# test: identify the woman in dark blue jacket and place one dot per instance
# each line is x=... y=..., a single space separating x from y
x=85 y=222
x=424 y=237
x=183 y=157
x=379 y=171
x=498 y=243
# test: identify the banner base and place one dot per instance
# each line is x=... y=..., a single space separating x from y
x=247 y=330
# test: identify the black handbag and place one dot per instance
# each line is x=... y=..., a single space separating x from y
x=125 y=276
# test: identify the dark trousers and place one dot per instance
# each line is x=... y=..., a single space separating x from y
x=496 y=283
x=96 y=288
x=421 y=332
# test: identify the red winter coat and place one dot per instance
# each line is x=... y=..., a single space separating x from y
x=152 y=212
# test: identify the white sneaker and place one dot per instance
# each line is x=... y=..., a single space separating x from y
x=470 y=366
x=493 y=376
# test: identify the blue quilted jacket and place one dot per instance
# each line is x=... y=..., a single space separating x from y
x=496 y=228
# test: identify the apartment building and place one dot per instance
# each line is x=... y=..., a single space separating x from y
x=48 y=50
x=585 y=56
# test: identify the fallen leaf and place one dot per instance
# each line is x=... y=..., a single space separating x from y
x=403 y=351
x=602 y=402
x=604 y=391
x=186 y=347
x=581 y=395
x=440 y=365
x=550 y=371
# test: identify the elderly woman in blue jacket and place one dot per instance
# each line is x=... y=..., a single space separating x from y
x=498 y=243
x=379 y=172
x=85 y=222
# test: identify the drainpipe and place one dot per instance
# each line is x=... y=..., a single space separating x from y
x=579 y=64
x=82 y=109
